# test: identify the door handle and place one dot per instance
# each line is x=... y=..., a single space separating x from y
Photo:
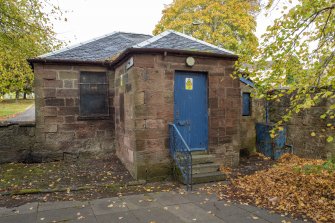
x=184 y=122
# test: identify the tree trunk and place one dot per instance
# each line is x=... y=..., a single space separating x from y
x=17 y=95
x=24 y=95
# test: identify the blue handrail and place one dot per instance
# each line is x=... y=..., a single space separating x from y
x=181 y=154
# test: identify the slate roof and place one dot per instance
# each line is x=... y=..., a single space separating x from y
x=174 y=40
x=98 y=49
x=105 y=47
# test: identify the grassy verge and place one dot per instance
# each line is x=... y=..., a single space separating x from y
x=8 y=108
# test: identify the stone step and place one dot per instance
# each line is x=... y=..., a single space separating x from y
x=200 y=159
x=208 y=177
x=205 y=177
x=205 y=168
x=202 y=152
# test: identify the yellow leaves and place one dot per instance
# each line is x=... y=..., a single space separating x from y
x=313 y=134
x=330 y=139
x=285 y=189
x=229 y=24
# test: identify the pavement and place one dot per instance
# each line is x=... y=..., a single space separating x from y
x=159 y=207
x=26 y=116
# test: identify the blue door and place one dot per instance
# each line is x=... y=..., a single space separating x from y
x=190 y=108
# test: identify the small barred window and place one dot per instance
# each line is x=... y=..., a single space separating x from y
x=93 y=94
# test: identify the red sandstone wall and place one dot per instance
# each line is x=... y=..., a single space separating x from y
x=142 y=134
x=58 y=128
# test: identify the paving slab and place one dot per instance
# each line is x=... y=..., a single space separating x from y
x=45 y=206
x=158 y=215
x=228 y=212
x=72 y=214
x=160 y=207
x=191 y=213
x=28 y=208
x=19 y=218
x=140 y=201
x=170 y=198
x=200 y=197
x=119 y=217
x=108 y=206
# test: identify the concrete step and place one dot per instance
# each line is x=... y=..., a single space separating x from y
x=205 y=168
x=200 y=159
x=208 y=177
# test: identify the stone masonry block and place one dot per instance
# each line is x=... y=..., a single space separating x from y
x=52 y=83
x=233 y=92
x=68 y=75
x=50 y=128
x=67 y=93
x=154 y=97
x=213 y=103
x=49 y=75
x=150 y=133
x=139 y=98
x=70 y=102
x=155 y=124
x=68 y=83
x=53 y=120
x=68 y=111
x=49 y=93
x=54 y=102
x=140 y=124
x=49 y=111
x=144 y=61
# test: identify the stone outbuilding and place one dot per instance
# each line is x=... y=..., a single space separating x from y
x=120 y=92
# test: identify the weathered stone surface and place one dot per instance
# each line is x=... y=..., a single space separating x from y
x=16 y=142
x=300 y=127
x=68 y=75
x=58 y=128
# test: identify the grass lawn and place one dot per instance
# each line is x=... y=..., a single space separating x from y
x=8 y=108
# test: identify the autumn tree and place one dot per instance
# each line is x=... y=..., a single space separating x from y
x=229 y=24
x=25 y=32
x=297 y=52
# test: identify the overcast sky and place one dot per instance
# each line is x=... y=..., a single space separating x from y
x=87 y=19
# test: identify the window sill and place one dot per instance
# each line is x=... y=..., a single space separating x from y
x=81 y=118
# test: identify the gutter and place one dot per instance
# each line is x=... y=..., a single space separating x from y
x=64 y=61
x=130 y=51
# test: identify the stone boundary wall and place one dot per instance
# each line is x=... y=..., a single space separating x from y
x=17 y=141
x=300 y=127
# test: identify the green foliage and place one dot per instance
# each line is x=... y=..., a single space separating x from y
x=297 y=52
x=328 y=166
x=26 y=32
x=229 y=24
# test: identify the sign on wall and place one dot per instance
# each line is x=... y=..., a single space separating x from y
x=189 y=84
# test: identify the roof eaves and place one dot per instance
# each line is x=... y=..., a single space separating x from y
x=76 y=45
x=133 y=50
x=65 y=61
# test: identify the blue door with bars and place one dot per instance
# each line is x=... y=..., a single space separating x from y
x=190 y=108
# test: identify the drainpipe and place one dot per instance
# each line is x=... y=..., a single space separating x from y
x=267 y=111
